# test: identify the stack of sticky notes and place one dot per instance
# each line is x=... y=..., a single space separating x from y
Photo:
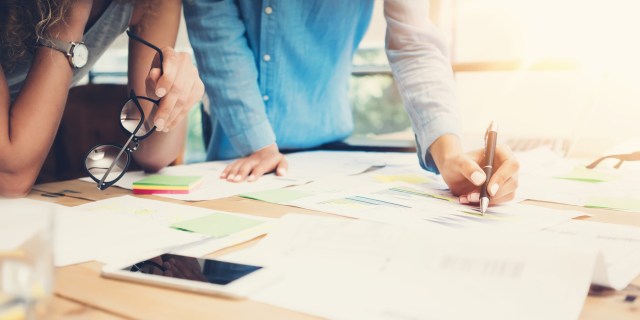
x=167 y=184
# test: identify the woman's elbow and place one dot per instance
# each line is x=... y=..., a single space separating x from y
x=153 y=165
x=12 y=186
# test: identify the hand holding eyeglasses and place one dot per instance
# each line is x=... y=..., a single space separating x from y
x=140 y=116
x=174 y=80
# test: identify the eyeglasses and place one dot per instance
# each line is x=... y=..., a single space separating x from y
x=634 y=156
x=107 y=163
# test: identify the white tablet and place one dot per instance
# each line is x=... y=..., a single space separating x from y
x=201 y=275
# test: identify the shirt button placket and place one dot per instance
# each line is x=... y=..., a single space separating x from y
x=268 y=10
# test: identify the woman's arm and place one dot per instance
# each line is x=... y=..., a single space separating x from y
x=28 y=127
x=179 y=88
x=418 y=57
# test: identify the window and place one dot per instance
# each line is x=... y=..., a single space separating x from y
x=562 y=69
x=543 y=69
x=379 y=115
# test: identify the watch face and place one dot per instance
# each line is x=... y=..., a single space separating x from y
x=80 y=55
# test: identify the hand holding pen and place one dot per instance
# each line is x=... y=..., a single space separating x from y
x=465 y=176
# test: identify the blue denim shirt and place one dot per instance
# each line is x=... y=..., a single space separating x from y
x=278 y=70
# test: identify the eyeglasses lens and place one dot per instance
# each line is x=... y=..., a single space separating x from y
x=130 y=117
x=100 y=159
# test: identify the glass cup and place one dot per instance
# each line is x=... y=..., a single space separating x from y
x=26 y=259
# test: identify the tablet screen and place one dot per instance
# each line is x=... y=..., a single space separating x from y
x=197 y=269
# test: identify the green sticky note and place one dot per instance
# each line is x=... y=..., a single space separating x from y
x=620 y=203
x=282 y=195
x=217 y=225
x=162 y=180
x=587 y=175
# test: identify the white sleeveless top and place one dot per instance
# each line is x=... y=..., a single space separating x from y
x=112 y=23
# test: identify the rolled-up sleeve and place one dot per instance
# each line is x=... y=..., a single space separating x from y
x=418 y=55
x=227 y=67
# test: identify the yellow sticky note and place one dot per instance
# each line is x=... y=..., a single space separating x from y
x=408 y=178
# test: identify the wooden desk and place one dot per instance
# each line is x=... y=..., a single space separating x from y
x=81 y=292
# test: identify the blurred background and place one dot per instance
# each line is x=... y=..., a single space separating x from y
x=562 y=73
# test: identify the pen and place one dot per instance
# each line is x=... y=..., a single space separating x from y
x=490 y=140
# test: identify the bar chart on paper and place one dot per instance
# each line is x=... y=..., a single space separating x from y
x=469 y=217
x=409 y=193
x=401 y=203
x=360 y=201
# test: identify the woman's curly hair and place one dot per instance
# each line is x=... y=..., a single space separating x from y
x=22 y=22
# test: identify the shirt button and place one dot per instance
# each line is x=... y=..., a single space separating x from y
x=266 y=57
x=265 y=98
x=268 y=10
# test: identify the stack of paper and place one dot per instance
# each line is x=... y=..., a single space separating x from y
x=619 y=246
x=127 y=228
x=206 y=230
x=552 y=179
x=163 y=184
x=352 y=269
x=405 y=204
x=303 y=168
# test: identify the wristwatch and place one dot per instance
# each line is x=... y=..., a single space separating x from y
x=76 y=52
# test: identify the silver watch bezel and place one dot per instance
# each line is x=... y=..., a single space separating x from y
x=72 y=55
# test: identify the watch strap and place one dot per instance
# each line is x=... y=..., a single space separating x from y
x=62 y=46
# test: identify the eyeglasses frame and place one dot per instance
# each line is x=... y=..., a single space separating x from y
x=102 y=185
x=633 y=156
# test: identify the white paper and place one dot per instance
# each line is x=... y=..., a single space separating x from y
x=81 y=236
x=619 y=245
x=409 y=205
x=21 y=219
x=212 y=186
x=539 y=180
x=303 y=167
x=548 y=189
x=151 y=227
x=351 y=269
x=212 y=245
x=146 y=210
x=115 y=229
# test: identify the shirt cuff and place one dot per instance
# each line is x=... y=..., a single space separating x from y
x=253 y=139
x=428 y=133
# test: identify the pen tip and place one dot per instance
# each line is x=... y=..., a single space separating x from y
x=484 y=203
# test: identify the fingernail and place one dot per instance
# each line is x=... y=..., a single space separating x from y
x=251 y=178
x=282 y=171
x=160 y=92
x=230 y=177
x=494 y=189
x=159 y=124
x=463 y=199
x=166 y=130
x=238 y=178
x=223 y=175
x=477 y=178
x=474 y=197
